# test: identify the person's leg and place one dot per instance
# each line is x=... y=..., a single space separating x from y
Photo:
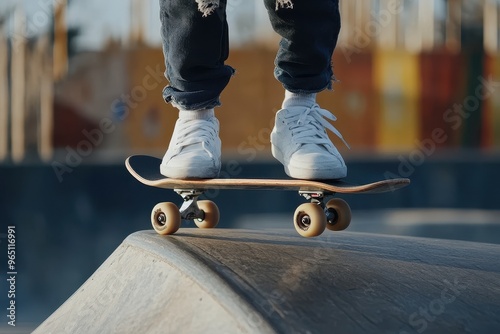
x=309 y=34
x=195 y=49
x=299 y=139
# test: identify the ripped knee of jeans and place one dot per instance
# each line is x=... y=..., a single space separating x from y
x=207 y=7
x=284 y=4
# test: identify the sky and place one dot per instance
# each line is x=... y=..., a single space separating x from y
x=100 y=19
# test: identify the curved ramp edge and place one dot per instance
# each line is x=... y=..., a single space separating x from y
x=151 y=285
x=276 y=281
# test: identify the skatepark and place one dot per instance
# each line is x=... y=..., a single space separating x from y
x=241 y=281
x=393 y=270
x=415 y=94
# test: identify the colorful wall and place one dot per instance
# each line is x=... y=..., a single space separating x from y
x=385 y=101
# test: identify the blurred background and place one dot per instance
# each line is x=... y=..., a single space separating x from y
x=80 y=90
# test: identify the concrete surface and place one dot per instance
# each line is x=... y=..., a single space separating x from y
x=455 y=224
x=228 y=281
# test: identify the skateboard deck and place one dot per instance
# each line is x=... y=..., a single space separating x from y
x=310 y=218
x=146 y=169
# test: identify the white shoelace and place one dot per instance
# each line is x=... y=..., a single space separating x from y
x=308 y=126
x=196 y=131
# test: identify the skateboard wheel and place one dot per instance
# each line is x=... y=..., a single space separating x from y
x=338 y=214
x=166 y=218
x=211 y=214
x=309 y=220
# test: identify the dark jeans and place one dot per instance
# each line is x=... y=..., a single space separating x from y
x=196 y=47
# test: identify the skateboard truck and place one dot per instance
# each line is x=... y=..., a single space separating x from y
x=189 y=209
x=166 y=216
x=314 y=196
x=318 y=197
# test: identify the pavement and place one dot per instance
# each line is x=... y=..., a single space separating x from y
x=274 y=281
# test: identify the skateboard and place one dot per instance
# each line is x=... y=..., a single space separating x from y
x=310 y=219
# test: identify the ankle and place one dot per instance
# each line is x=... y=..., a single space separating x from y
x=196 y=114
x=298 y=99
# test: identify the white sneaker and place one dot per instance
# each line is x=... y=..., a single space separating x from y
x=300 y=142
x=194 y=150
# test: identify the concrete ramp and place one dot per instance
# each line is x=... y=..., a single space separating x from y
x=234 y=281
